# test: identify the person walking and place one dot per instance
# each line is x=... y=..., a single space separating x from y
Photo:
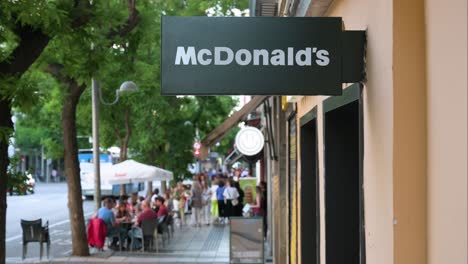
x=206 y=203
x=179 y=202
x=196 y=197
x=231 y=197
x=214 y=200
x=221 y=203
x=238 y=208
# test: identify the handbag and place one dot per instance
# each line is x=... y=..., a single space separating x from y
x=234 y=202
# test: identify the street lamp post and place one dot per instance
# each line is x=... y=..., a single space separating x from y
x=127 y=86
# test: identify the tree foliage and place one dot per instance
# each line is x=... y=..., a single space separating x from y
x=69 y=42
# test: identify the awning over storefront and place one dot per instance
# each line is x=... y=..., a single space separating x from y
x=236 y=156
x=218 y=133
x=233 y=157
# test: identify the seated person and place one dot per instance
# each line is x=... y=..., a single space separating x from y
x=146 y=214
x=162 y=209
x=124 y=199
x=123 y=215
x=153 y=197
x=154 y=206
x=107 y=215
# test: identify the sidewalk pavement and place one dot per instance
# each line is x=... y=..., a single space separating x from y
x=207 y=244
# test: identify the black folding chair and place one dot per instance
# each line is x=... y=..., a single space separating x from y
x=33 y=231
x=170 y=223
x=163 y=228
x=149 y=227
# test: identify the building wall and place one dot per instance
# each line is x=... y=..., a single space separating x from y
x=409 y=132
x=415 y=129
x=376 y=17
x=446 y=33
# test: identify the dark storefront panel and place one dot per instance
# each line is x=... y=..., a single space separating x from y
x=343 y=177
x=309 y=192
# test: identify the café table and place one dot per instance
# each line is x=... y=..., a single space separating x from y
x=127 y=225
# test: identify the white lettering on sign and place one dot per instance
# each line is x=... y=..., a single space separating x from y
x=186 y=56
x=229 y=56
x=243 y=57
x=204 y=56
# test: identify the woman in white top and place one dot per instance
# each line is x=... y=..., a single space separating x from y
x=206 y=203
x=231 y=196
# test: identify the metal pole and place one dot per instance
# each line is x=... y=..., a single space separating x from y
x=96 y=152
x=48 y=162
x=42 y=163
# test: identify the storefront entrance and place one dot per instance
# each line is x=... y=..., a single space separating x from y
x=343 y=211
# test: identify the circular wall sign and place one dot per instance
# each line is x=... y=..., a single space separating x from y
x=250 y=141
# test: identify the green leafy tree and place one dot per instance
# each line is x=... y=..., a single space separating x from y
x=160 y=130
x=68 y=29
x=39 y=125
x=26 y=27
x=17 y=180
x=73 y=59
x=76 y=40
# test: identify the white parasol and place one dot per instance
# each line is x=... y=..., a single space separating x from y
x=131 y=171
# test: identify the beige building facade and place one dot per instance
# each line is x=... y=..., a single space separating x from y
x=382 y=170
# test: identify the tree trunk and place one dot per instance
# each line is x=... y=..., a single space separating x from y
x=153 y=155
x=163 y=183
x=72 y=170
x=5 y=123
x=123 y=157
x=163 y=187
x=149 y=192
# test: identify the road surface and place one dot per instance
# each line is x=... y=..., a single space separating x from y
x=49 y=202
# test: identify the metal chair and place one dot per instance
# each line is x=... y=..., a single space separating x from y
x=164 y=228
x=111 y=239
x=170 y=223
x=149 y=227
x=33 y=231
x=137 y=233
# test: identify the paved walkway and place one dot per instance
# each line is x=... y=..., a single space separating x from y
x=208 y=244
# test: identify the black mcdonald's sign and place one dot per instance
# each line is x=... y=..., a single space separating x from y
x=259 y=56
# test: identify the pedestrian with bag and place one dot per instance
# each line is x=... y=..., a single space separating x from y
x=238 y=208
x=196 y=201
x=206 y=203
x=231 y=198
